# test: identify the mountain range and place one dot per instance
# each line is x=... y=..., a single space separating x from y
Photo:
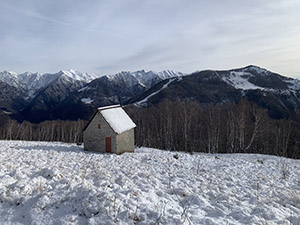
x=72 y=95
x=280 y=95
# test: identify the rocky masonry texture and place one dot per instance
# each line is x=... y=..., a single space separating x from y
x=109 y=130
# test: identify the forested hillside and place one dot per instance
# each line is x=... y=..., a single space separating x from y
x=241 y=127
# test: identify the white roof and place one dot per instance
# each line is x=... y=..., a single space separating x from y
x=117 y=118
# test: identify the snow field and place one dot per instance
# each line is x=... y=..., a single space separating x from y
x=143 y=101
x=87 y=100
x=55 y=183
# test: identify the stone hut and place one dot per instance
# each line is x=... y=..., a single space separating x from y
x=109 y=130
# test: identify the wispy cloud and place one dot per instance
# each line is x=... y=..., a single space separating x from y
x=38 y=16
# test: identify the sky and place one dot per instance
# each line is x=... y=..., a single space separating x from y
x=106 y=37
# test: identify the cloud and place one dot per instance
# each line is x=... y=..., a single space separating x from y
x=109 y=36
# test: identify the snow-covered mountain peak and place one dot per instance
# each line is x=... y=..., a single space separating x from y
x=145 y=76
x=140 y=71
x=10 y=72
x=9 y=78
x=169 y=73
x=123 y=75
x=76 y=75
x=28 y=77
x=256 y=69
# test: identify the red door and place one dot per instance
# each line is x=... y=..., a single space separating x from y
x=108 y=144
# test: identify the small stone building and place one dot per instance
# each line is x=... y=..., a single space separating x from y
x=109 y=130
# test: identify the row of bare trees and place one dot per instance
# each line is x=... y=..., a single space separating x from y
x=230 y=128
x=58 y=130
x=185 y=126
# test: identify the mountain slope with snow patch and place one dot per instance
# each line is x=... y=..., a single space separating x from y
x=253 y=77
x=144 y=101
x=278 y=94
x=120 y=87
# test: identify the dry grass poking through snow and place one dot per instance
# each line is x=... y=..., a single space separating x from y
x=55 y=183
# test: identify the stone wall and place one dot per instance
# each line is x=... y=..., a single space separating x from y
x=94 y=137
x=125 y=142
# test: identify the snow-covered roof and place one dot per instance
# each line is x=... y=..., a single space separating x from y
x=117 y=118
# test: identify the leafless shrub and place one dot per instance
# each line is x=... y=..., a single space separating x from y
x=284 y=171
x=113 y=209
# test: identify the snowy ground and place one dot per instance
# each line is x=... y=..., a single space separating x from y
x=55 y=183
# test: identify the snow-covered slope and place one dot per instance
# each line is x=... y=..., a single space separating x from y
x=32 y=82
x=254 y=77
x=144 y=101
x=170 y=73
x=75 y=75
x=240 y=80
x=54 y=183
x=9 y=78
